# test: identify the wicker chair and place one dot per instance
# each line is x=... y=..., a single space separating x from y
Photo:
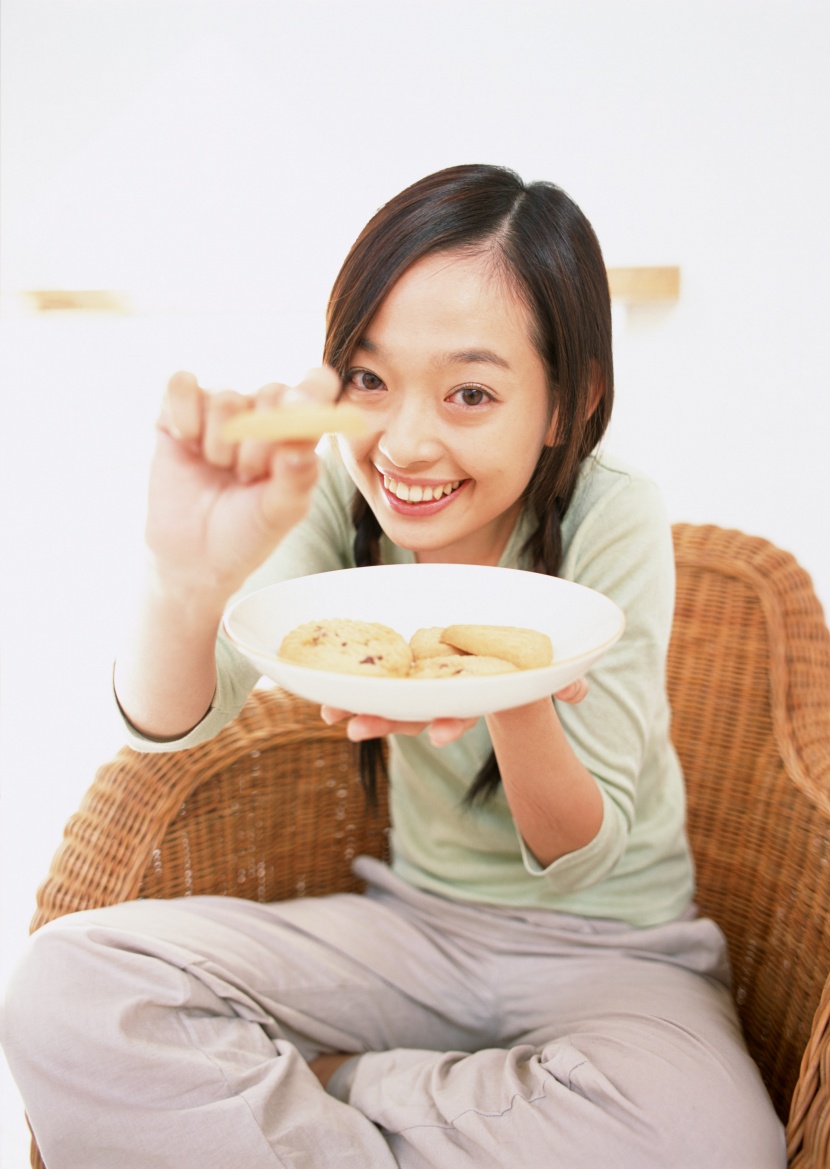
x=268 y=814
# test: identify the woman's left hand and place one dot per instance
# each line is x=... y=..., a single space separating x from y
x=371 y=726
x=441 y=730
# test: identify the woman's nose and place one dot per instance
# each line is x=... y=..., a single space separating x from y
x=410 y=435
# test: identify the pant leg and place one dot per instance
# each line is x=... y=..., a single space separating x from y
x=169 y=1034
x=629 y=1091
x=514 y=1040
x=614 y=1046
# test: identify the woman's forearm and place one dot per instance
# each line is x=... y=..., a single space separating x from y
x=555 y=801
x=165 y=677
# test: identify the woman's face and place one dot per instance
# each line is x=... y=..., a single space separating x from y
x=457 y=403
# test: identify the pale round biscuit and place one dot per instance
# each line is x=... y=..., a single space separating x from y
x=427 y=643
x=295 y=421
x=525 y=648
x=462 y=666
x=348 y=647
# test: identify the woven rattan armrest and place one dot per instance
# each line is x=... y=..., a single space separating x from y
x=269 y=808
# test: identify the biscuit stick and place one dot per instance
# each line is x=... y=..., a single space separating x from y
x=294 y=422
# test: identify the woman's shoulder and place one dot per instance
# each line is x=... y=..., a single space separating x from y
x=606 y=485
x=617 y=516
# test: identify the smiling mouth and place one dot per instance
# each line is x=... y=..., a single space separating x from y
x=416 y=493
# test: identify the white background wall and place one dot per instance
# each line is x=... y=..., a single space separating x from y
x=215 y=160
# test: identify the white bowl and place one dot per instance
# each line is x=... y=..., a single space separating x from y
x=581 y=623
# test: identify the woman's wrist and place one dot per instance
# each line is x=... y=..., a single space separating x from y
x=555 y=801
x=194 y=600
x=516 y=716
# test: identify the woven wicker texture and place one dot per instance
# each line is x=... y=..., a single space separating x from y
x=268 y=813
x=749 y=680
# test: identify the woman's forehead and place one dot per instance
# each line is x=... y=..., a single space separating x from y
x=457 y=308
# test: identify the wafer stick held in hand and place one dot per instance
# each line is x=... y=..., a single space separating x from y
x=294 y=422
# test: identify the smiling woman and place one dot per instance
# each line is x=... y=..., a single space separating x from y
x=470 y=328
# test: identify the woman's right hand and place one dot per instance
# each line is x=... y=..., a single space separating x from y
x=216 y=509
x=215 y=512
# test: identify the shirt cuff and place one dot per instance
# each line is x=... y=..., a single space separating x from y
x=235 y=680
x=587 y=865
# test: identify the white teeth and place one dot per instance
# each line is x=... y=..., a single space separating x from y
x=416 y=493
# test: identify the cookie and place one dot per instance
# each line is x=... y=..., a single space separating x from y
x=348 y=647
x=460 y=666
x=427 y=643
x=294 y=422
x=525 y=648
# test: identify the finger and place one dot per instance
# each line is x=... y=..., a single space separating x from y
x=449 y=730
x=252 y=455
x=218 y=409
x=182 y=409
x=370 y=726
x=287 y=488
x=321 y=385
x=331 y=715
x=573 y=693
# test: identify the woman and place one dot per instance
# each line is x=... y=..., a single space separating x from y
x=528 y=982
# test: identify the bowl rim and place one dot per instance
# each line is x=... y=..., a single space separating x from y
x=597 y=650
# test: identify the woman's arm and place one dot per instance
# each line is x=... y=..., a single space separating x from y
x=165 y=675
x=555 y=801
x=215 y=513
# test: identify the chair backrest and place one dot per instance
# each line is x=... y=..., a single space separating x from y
x=749 y=681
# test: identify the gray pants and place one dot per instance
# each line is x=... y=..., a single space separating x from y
x=176 y=1034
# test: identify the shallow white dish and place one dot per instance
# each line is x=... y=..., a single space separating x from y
x=581 y=623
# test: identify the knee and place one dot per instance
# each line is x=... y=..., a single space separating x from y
x=45 y=995
x=34 y=990
x=680 y=1107
x=720 y=1120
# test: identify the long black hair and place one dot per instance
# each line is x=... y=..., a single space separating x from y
x=540 y=241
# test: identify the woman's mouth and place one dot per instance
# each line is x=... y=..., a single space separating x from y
x=419 y=498
x=415 y=493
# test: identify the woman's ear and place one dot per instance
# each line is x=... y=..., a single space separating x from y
x=550 y=436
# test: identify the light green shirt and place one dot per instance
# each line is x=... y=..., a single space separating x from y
x=638 y=867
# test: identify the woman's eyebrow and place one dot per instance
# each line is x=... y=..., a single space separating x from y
x=473 y=356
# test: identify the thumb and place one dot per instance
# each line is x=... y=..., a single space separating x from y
x=573 y=693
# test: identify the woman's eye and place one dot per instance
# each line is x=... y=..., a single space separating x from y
x=472 y=396
x=361 y=379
